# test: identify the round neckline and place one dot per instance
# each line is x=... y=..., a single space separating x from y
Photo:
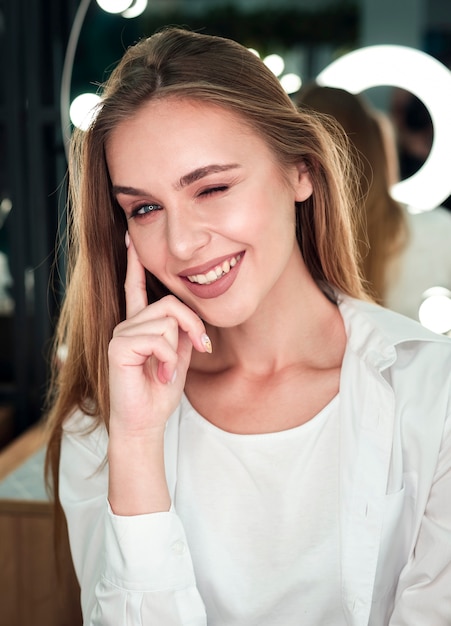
x=315 y=421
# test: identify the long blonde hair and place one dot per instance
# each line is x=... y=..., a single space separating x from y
x=183 y=64
x=382 y=230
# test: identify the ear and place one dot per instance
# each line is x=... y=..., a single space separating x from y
x=303 y=183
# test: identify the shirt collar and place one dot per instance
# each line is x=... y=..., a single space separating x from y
x=373 y=332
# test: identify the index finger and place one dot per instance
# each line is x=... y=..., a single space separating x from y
x=135 y=281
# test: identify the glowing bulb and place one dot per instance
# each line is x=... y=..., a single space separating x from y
x=435 y=310
x=275 y=63
x=291 y=82
x=254 y=51
x=426 y=78
x=83 y=109
x=136 y=8
x=5 y=206
x=115 y=6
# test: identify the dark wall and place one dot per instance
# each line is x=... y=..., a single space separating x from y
x=33 y=39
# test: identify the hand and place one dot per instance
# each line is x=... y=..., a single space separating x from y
x=149 y=355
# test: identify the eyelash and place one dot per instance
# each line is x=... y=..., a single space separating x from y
x=213 y=190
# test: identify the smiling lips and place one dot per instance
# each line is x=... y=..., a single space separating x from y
x=216 y=273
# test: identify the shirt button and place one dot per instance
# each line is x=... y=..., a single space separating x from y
x=178 y=547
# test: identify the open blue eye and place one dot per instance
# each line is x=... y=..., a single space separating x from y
x=145 y=209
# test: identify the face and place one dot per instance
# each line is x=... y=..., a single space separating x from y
x=208 y=210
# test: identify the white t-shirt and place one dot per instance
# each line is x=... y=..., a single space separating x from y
x=248 y=571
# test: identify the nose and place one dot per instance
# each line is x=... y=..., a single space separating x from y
x=186 y=233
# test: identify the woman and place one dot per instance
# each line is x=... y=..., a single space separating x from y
x=403 y=252
x=236 y=439
x=383 y=226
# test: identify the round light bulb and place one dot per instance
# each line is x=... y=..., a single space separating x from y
x=435 y=310
x=275 y=63
x=115 y=6
x=83 y=109
x=291 y=82
x=136 y=8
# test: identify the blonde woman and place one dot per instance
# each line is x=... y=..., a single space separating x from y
x=403 y=252
x=241 y=436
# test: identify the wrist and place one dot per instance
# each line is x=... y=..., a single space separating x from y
x=135 y=431
x=137 y=477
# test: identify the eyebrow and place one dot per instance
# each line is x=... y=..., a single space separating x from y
x=187 y=179
x=202 y=172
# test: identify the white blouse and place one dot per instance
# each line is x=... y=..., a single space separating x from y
x=343 y=520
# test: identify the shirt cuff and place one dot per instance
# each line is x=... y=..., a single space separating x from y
x=147 y=552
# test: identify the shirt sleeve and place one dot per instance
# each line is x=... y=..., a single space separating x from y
x=424 y=590
x=132 y=570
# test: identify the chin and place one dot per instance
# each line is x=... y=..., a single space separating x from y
x=225 y=317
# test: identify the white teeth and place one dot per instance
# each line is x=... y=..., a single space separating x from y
x=211 y=276
x=214 y=274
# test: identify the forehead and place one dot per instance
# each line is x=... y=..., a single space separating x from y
x=174 y=132
x=182 y=115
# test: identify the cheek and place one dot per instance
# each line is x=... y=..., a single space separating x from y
x=148 y=248
x=274 y=212
x=253 y=213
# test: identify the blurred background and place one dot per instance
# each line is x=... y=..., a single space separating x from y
x=55 y=50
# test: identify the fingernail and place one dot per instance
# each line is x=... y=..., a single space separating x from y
x=207 y=343
x=127 y=239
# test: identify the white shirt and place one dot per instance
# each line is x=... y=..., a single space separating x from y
x=394 y=480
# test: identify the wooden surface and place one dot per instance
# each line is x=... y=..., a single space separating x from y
x=34 y=591
x=20 y=449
